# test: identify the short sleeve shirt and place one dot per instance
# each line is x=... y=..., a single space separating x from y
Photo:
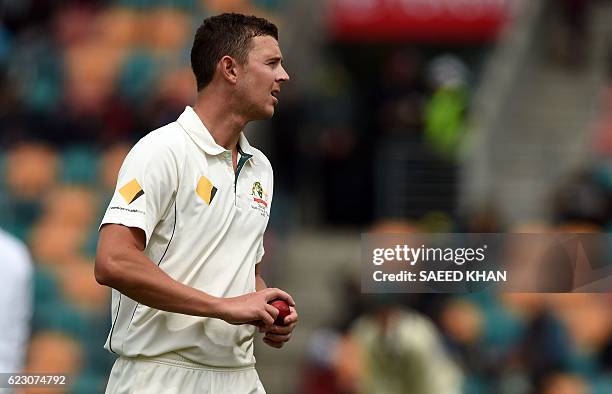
x=204 y=226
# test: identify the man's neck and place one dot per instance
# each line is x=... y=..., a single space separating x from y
x=223 y=124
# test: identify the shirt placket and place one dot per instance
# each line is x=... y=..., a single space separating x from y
x=242 y=160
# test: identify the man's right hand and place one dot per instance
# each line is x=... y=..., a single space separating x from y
x=253 y=308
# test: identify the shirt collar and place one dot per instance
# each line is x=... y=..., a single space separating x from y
x=192 y=124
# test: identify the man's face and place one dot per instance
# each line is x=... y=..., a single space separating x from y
x=262 y=76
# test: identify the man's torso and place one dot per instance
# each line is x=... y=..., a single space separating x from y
x=208 y=236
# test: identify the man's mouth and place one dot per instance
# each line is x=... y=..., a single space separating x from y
x=274 y=94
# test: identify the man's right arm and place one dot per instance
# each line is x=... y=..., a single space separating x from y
x=122 y=265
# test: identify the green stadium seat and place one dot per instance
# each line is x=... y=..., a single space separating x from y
x=137 y=75
x=79 y=165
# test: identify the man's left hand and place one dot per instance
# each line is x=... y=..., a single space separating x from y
x=276 y=336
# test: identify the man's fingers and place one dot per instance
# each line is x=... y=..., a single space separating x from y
x=278 y=337
x=292 y=317
x=283 y=330
x=277 y=345
x=274 y=344
x=268 y=316
x=274 y=293
x=272 y=311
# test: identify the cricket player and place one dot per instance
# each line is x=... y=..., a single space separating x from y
x=182 y=236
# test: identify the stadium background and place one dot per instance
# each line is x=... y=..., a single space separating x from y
x=473 y=115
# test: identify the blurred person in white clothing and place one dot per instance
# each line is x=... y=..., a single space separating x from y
x=15 y=302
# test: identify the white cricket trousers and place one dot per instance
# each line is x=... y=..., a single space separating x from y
x=175 y=376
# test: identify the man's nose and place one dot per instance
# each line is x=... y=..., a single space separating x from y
x=283 y=75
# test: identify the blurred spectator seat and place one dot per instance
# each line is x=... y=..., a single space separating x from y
x=166 y=29
x=54 y=352
x=177 y=86
x=562 y=383
x=91 y=68
x=216 y=6
x=79 y=165
x=35 y=71
x=30 y=171
x=75 y=24
x=54 y=241
x=149 y=4
x=112 y=158
x=138 y=74
x=119 y=27
x=71 y=206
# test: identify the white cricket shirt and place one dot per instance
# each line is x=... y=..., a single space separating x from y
x=204 y=226
x=16 y=272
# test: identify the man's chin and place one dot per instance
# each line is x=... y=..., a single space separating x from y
x=265 y=115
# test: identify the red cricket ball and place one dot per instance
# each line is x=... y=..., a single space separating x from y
x=283 y=311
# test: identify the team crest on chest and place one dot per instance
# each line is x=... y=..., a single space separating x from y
x=260 y=199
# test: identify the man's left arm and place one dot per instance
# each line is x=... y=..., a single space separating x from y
x=276 y=336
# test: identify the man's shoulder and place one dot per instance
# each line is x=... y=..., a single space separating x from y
x=166 y=140
x=170 y=135
x=261 y=159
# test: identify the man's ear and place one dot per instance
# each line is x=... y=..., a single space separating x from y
x=227 y=66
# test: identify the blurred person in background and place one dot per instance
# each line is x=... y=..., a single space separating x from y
x=53 y=352
x=15 y=302
x=565 y=384
x=383 y=343
x=183 y=234
x=392 y=349
x=446 y=109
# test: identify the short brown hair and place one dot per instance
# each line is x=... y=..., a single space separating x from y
x=226 y=34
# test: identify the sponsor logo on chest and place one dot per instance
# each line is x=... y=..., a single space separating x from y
x=260 y=199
